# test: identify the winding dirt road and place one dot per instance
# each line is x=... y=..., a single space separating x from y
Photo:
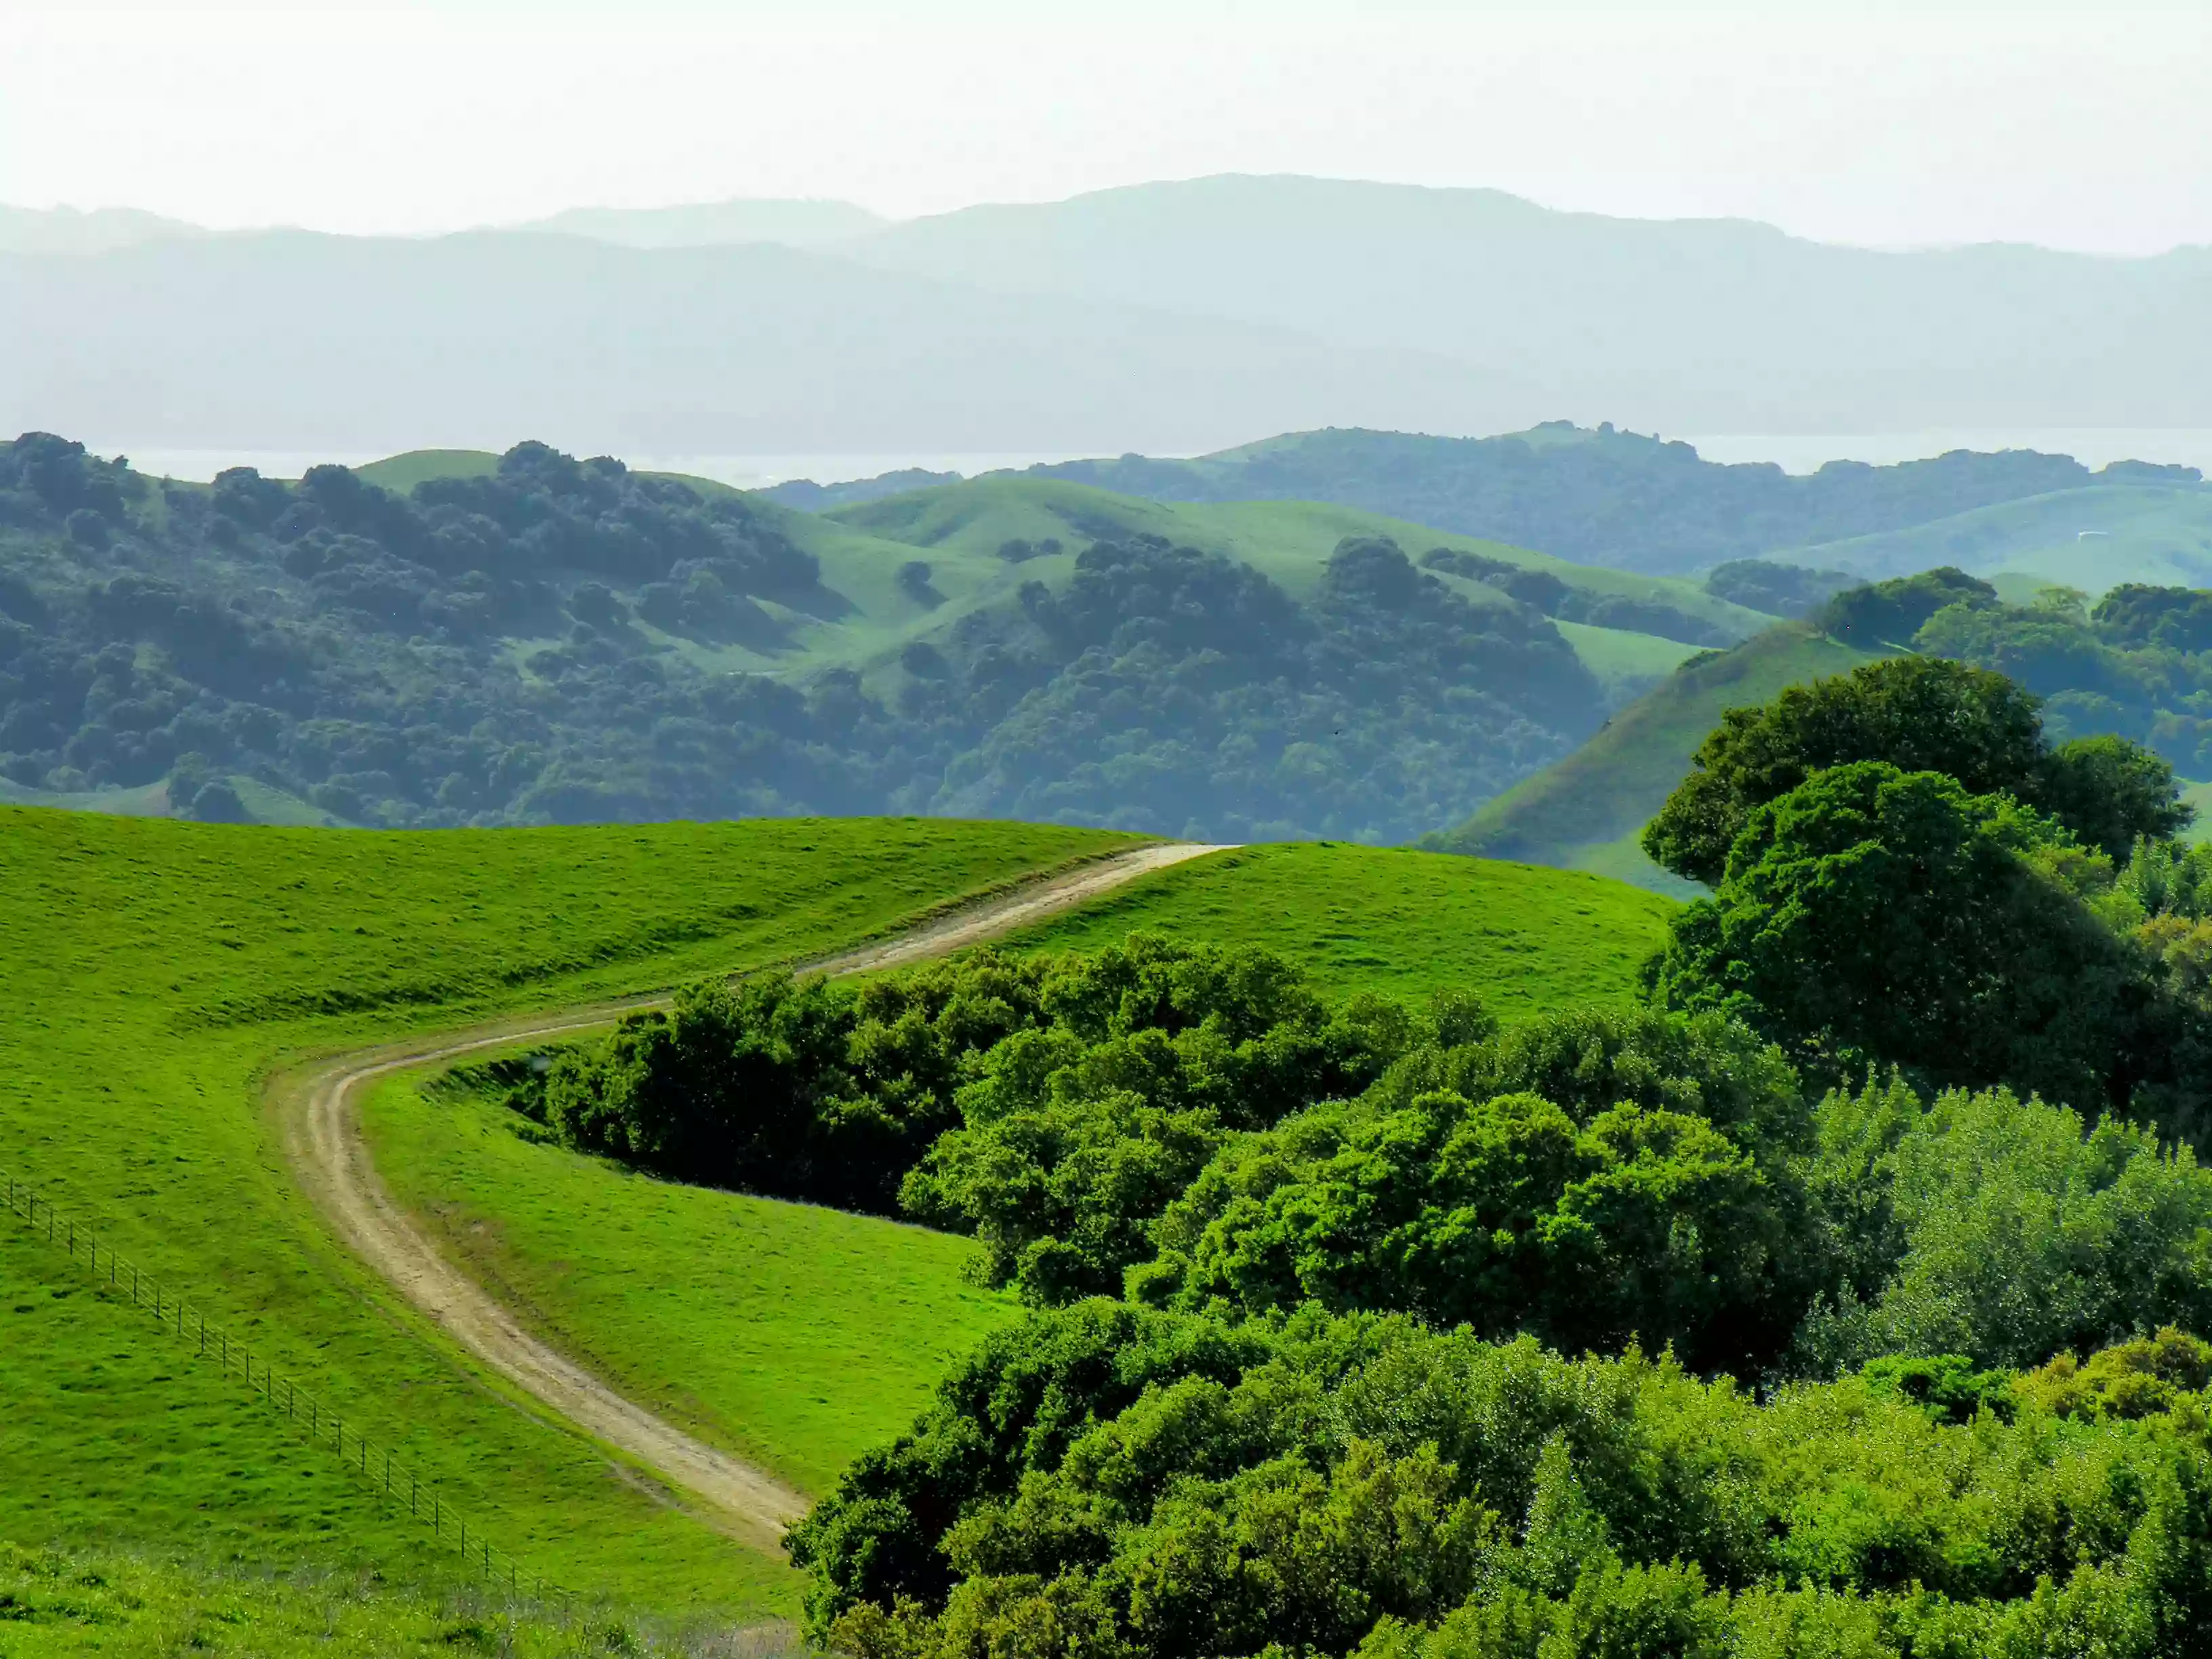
x=323 y=1139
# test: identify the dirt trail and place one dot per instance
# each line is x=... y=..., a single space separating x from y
x=323 y=1138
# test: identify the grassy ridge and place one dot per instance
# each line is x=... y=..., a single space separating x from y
x=2090 y=538
x=153 y=973
x=793 y=1335
x=1396 y=921
x=957 y=530
x=1585 y=811
x=1290 y=541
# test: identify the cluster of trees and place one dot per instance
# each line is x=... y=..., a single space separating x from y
x=1779 y=589
x=505 y=650
x=1906 y=871
x=2137 y=664
x=1052 y=1107
x=1192 y=1129
x=1542 y=591
x=1173 y=690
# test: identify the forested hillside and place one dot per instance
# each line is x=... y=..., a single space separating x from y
x=549 y=640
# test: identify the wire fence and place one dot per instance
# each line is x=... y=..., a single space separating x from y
x=308 y=1415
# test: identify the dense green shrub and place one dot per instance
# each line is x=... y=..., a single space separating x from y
x=1653 y=1191
x=1779 y=589
x=1051 y=1105
x=1105 y=1479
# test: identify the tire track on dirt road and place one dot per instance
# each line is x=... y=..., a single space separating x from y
x=330 y=1158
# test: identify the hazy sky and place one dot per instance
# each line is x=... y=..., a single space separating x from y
x=2075 y=125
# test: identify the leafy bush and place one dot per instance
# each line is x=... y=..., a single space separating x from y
x=1652 y=1194
x=1053 y=1106
x=1107 y=1480
x=1779 y=589
x=1872 y=915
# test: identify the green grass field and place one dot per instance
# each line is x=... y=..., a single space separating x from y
x=81 y=1599
x=1394 y=920
x=140 y=1440
x=153 y=974
x=1586 y=811
x=793 y=1335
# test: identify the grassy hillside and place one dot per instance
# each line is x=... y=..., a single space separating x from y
x=1599 y=496
x=268 y=803
x=878 y=617
x=1396 y=921
x=793 y=1335
x=2091 y=538
x=959 y=529
x=1290 y=540
x=117 y=1434
x=153 y=973
x=563 y=640
x=1585 y=811
x=78 y=1600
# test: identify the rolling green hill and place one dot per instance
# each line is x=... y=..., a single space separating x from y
x=549 y=640
x=1585 y=811
x=1290 y=540
x=155 y=976
x=1601 y=496
x=1396 y=921
x=2093 y=538
x=960 y=529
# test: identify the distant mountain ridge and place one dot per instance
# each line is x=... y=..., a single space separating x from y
x=1161 y=317
x=368 y=344
x=1716 y=325
x=102 y=230
x=715 y=224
